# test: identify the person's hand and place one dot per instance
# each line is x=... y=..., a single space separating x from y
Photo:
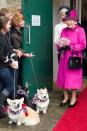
x=60 y=42
x=19 y=53
x=14 y=64
x=29 y=55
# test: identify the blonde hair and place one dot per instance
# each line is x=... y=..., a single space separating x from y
x=17 y=18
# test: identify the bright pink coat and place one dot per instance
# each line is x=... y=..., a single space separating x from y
x=71 y=79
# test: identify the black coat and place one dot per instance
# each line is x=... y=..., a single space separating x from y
x=5 y=51
x=16 y=38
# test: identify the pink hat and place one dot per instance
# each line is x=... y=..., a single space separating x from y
x=72 y=15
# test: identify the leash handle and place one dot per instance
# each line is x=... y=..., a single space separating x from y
x=14 y=83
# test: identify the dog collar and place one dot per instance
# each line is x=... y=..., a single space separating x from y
x=14 y=112
x=17 y=112
x=42 y=100
x=35 y=99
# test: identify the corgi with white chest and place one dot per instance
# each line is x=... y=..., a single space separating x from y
x=19 y=113
x=41 y=99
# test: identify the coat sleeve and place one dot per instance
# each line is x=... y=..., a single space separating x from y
x=56 y=34
x=81 y=45
x=3 y=58
x=15 y=42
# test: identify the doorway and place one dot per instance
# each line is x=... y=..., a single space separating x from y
x=84 y=25
x=56 y=20
x=81 y=7
x=37 y=38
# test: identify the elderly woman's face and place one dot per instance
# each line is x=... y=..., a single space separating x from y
x=71 y=23
x=62 y=15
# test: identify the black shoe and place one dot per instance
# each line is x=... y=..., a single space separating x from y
x=64 y=104
x=73 y=104
x=2 y=114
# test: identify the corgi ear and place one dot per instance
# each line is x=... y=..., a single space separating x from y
x=37 y=90
x=9 y=101
x=22 y=100
x=45 y=88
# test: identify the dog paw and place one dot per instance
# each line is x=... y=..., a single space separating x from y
x=18 y=123
x=10 y=122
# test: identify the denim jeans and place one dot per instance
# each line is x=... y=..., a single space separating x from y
x=6 y=80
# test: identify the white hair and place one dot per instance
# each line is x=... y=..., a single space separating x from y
x=63 y=11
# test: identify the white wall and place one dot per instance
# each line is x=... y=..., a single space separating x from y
x=11 y=4
x=56 y=5
x=3 y=3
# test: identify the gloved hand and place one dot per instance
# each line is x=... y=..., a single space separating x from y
x=63 y=42
x=67 y=47
x=14 y=64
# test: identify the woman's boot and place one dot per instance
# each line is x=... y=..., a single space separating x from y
x=2 y=100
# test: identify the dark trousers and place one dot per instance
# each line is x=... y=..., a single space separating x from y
x=6 y=81
x=14 y=73
x=1 y=86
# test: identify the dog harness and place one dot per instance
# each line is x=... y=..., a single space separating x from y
x=17 y=112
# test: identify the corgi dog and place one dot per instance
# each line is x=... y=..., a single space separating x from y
x=19 y=113
x=41 y=99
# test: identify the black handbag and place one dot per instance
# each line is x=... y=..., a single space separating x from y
x=74 y=62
